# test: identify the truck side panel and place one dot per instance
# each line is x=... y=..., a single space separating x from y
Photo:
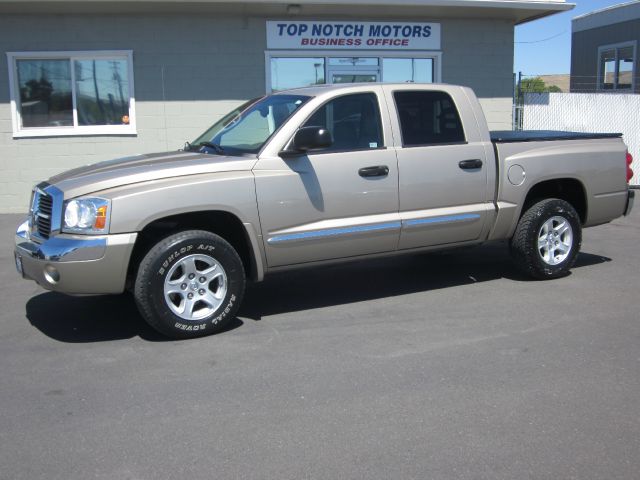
x=135 y=206
x=598 y=165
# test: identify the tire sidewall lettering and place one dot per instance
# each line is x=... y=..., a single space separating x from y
x=225 y=312
x=177 y=253
x=190 y=328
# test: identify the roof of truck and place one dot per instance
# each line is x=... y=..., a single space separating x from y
x=318 y=89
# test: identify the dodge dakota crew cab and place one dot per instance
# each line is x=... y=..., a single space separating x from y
x=315 y=175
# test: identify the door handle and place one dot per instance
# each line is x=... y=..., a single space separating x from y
x=470 y=164
x=377 y=171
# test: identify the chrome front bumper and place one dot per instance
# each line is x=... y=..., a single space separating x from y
x=75 y=264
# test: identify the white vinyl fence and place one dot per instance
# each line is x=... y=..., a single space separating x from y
x=587 y=112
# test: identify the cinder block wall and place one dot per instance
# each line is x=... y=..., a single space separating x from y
x=191 y=69
x=188 y=70
x=479 y=54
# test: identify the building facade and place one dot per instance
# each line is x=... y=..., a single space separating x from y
x=604 y=50
x=85 y=81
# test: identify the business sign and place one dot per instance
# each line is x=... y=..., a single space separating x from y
x=287 y=35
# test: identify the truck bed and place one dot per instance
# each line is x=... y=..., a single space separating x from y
x=509 y=136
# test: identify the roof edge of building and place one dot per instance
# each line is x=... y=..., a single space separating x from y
x=518 y=11
x=603 y=17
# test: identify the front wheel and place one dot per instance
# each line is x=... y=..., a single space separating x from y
x=190 y=284
x=547 y=239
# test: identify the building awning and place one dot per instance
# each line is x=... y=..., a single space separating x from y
x=516 y=11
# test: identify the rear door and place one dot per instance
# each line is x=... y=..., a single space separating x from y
x=443 y=172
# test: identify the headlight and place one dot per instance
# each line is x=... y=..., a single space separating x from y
x=86 y=215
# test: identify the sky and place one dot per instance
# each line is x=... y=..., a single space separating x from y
x=544 y=46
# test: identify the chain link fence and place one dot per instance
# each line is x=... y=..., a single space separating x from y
x=584 y=112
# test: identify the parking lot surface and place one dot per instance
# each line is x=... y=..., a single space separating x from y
x=431 y=366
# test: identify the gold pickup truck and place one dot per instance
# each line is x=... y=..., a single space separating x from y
x=310 y=176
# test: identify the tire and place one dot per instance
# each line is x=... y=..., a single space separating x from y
x=547 y=239
x=190 y=284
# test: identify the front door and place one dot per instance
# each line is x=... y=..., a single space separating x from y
x=353 y=70
x=353 y=77
x=338 y=202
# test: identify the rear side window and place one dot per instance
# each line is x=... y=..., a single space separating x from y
x=428 y=118
x=353 y=120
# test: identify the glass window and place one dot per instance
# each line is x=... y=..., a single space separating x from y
x=354 y=78
x=401 y=70
x=102 y=92
x=296 y=72
x=247 y=128
x=45 y=93
x=625 y=67
x=428 y=118
x=608 y=69
x=617 y=67
x=353 y=120
x=353 y=61
x=72 y=94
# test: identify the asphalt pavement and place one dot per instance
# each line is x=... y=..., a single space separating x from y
x=431 y=366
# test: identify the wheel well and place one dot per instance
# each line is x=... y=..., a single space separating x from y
x=225 y=224
x=567 y=189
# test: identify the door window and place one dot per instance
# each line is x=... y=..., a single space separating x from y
x=408 y=70
x=346 y=77
x=353 y=120
x=428 y=118
x=353 y=61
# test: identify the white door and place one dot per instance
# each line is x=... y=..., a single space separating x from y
x=347 y=76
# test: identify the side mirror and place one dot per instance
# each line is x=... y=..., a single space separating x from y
x=306 y=139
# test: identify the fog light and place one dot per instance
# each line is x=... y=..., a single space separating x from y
x=51 y=274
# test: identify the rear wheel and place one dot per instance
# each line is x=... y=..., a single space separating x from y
x=190 y=284
x=547 y=239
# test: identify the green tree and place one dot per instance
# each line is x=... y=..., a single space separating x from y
x=535 y=85
x=532 y=85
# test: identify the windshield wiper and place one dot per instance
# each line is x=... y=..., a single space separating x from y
x=215 y=146
x=190 y=147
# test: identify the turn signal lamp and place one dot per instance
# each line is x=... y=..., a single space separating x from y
x=101 y=218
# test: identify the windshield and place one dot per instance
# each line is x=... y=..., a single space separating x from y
x=248 y=127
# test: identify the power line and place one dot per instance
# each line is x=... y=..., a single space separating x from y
x=545 y=39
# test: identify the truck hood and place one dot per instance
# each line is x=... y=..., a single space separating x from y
x=144 y=168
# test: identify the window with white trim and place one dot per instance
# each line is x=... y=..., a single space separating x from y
x=72 y=93
x=616 y=66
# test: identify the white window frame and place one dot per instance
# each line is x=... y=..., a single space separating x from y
x=616 y=47
x=75 y=130
x=436 y=56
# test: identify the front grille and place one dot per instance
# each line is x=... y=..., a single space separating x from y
x=42 y=213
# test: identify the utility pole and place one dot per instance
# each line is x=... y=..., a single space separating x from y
x=519 y=103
